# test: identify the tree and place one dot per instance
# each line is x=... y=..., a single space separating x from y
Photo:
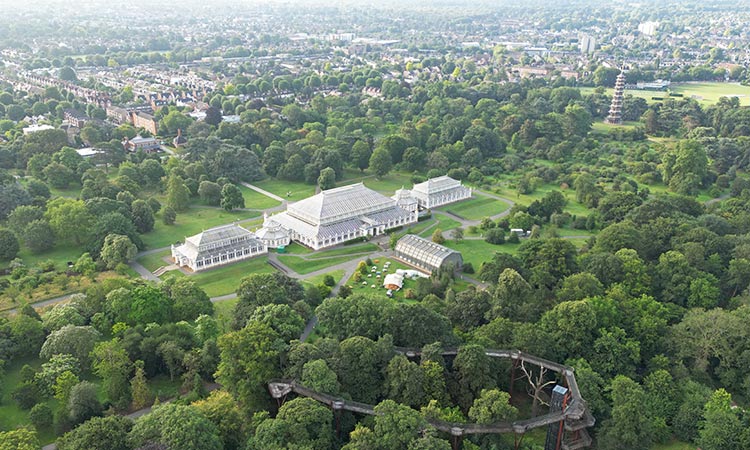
x=281 y=318
x=404 y=382
x=630 y=427
x=20 y=439
x=98 y=433
x=318 y=376
x=473 y=371
x=396 y=426
x=249 y=358
x=360 y=155
x=83 y=403
x=68 y=74
x=300 y=423
x=358 y=367
x=492 y=406
x=327 y=179
x=264 y=289
x=231 y=197
x=513 y=299
x=721 y=427
x=685 y=167
x=72 y=340
x=41 y=416
x=70 y=219
x=38 y=236
x=112 y=364
x=85 y=264
x=188 y=300
x=437 y=236
x=8 y=245
x=117 y=249
x=178 y=195
x=176 y=426
x=210 y=192
x=380 y=162
x=139 y=390
x=22 y=216
x=236 y=163
x=143 y=216
x=458 y=234
x=169 y=215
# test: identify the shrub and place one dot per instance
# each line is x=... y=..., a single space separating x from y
x=41 y=416
x=468 y=268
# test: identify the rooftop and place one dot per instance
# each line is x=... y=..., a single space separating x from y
x=437 y=184
x=339 y=204
x=217 y=235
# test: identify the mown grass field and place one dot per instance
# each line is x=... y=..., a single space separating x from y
x=477 y=208
x=443 y=222
x=191 y=222
x=297 y=190
x=476 y=251
x=303 y=266
x=256 y=200
x=318 y=279
x=226 y=279
x=154 y=260
x=372 y=279
x=705 y=93
x=345 y=250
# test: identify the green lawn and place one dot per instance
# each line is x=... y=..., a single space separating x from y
x=303 y=266
x=191 y=222
x=706 y=93
x=256 y=200
x=11 y=416
x=345 y=250
x=389 y=183
x=60 y=255
x=477 y=208
x=226 y=279
x=476 y=251
x=317 y=279
x=297 y=190
x=371 y=278
x=154 y=260
x=445 y=223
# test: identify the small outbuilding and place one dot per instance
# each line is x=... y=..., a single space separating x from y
x=426 y=255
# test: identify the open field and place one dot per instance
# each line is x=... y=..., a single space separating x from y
x=389 y=183
x=297 y=190
x=371 y=278
x=256 y=200
x=336 y=274
x=477 y=208
x=303 y=266
x=444 y=223
x=706 y=93
x=191 y=222
x=154 y=260
x=345 y=250
x=225 y=280
x=11 y=416
x=60 y=255
x=476 y=251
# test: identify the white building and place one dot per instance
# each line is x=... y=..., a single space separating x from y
x=439 y=191
x=587 y=44
x=648 y=28
x=272 y=235
x=35 y=128
x=338 y=215
x=216 y=247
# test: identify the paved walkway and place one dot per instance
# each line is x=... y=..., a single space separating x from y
x=263 y=191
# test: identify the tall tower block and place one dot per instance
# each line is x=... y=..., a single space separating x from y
x=615 y=109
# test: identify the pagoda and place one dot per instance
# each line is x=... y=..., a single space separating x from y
x=615 y=109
